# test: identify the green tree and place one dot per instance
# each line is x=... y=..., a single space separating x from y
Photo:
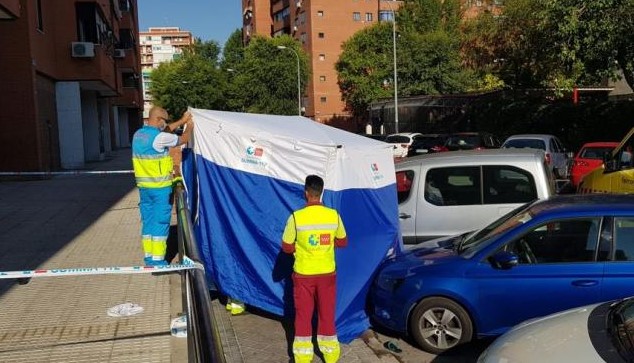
x=428 y=56
x=192 y=80
x=266 y=79
x=364 y=67
x=209 y=50
x=232 y=57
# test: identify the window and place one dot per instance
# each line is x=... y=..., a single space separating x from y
x=386 y=15
x=404 y=184
x=320 y=13
x=322 y=99
x=126 y=39
x=558 y=241
x=322 y=78
x=507 y=184
x=282 y=14
x=91 y=26
x=624 y=239
x=356 y=16
x=322 y=57
x=38 y=11
x=302 y=38
x=321 y=35
x=453 y=186
x=369 y=17
x=130 y=80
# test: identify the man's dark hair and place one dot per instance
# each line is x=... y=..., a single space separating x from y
x=314 y=185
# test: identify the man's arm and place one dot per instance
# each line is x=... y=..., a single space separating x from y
x=289 y=236
x=187 y=116
x=341 y=238
x=184 y=138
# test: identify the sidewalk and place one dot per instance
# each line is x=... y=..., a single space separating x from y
x=81 y=221
x=93 y=221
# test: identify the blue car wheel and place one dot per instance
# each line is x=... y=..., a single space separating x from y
x=438 y=324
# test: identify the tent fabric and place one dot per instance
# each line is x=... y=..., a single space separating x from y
x=245 y=174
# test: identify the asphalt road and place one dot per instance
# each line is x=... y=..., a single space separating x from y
x=467 y=353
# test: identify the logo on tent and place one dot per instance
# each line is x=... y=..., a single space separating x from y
x=254 y=156
x=375 y=170
x=255 y=151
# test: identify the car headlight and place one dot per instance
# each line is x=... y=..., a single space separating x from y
x=389 y=283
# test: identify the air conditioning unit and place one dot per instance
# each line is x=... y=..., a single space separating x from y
x=299 y=3
x=119 y=53
x=82 y=49
x=294 y=28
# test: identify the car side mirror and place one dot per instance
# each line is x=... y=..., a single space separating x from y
x=504 y=260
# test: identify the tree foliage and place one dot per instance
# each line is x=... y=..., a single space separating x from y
x=265 y=81
x=428 y=56
x=555 y=43
x=193 y=80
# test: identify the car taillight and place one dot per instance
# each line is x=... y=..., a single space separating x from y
x=405 y=146
x=547 y=158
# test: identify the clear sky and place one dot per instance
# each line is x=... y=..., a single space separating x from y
x=206 y=19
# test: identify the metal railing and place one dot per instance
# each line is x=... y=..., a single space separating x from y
x=203 y=338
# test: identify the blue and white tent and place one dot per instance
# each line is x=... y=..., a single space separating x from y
x=245 y=174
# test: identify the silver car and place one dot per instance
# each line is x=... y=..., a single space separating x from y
x=554 y=151
x=589 y=334
x=449 y=193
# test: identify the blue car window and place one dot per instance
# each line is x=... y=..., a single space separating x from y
x=558 y=241
x=624 y=239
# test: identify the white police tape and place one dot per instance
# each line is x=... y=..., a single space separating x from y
x=187 y=264
x=70 y=172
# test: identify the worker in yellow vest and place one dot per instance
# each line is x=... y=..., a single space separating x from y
x=153 y=169
x=311 y=234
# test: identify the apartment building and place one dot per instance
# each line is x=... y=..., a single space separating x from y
x=158 y=45
x=70 y=74
x=322 y=26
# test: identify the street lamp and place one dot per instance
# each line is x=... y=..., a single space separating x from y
x=395 y=73
x=299 y=92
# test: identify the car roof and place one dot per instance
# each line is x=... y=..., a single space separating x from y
x=488 y=155
x=405 y=134
x=601 y=144
x=586 y=203
x=530 y=136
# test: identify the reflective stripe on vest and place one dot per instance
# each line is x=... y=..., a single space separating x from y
x=152 y=169
x=315 y=242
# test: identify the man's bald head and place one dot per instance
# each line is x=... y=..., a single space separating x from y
x=158 y=117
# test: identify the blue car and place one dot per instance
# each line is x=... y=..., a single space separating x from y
x=543 y=257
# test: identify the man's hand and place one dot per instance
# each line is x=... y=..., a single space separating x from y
x=186 y=119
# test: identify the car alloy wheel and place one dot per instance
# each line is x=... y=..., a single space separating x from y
x=438 y=324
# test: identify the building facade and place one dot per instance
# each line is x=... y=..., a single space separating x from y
x=158 y=45
x=70 y=72
x=322 y=26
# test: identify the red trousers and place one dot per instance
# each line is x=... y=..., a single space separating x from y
x=308 y=290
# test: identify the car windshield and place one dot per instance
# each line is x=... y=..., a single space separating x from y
x=472 y=243
x=464 y=141
x=525 y=143
x=595 y=152
x=428 y=141
x=397 y=139
x=621 y=327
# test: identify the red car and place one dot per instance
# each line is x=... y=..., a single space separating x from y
x=589 y=157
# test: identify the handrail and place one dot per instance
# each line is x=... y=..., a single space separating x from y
x=203 y=338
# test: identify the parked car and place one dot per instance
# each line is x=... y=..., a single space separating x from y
x=471 y=141
x=555 y=152
x=427 y=144
x=548 y=256
x=589 y=157
x=617 y=173
x=402 y=142
x=590 y=334
x=444 y=194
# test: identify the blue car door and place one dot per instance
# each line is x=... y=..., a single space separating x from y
x=557 y=270
x=618 y=280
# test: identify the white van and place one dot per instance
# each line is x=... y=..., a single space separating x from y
x=454 y=192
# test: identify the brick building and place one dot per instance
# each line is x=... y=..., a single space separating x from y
x=70 y=74
x=158 y=45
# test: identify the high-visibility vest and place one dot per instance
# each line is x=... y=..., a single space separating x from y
x=316 y=226
x=152 y=169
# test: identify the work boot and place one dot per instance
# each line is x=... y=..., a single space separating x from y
x=147 y=261
x=158 y=263
x=237 y=307
x=330 y=348
x=303 y=349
